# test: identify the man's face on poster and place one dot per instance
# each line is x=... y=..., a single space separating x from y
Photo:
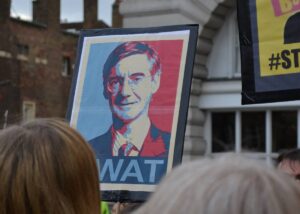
x=130 y=87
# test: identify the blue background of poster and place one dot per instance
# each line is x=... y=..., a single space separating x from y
x=95 y=116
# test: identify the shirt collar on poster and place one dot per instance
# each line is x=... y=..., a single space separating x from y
x=137 y=137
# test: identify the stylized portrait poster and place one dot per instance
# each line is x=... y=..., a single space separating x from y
x=130 y=100
x=270 y=50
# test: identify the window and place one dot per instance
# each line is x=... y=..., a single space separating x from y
x=224 y=58
x=28 y=111
x=284 y=128
x=23 y=49
x=259 y=134
x=253 y=131
x=66 y=66
x=223 y=129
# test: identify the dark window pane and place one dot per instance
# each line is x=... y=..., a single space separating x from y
x=66 y=66
x=223 y=132
x=23 y=49
x=284 y=130
x=253 y=131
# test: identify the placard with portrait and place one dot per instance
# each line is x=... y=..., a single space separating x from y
x=129 y=99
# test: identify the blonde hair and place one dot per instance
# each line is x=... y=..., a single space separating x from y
x=47 y=167
x=230 y=185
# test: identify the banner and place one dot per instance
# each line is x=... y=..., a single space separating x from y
x=270 y=50
x=129 y=100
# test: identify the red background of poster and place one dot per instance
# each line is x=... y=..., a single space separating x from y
x=163 y=101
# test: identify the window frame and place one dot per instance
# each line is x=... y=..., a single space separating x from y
x=268 y=155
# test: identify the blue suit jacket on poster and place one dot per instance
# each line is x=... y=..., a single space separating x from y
x=156 y=144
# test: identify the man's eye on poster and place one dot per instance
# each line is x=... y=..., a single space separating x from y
x=130 y=100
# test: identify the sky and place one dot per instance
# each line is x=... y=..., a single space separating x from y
x=71 y=10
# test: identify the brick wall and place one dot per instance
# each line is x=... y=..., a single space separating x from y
x=31 y=59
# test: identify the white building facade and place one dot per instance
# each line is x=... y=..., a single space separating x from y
x=217 y=122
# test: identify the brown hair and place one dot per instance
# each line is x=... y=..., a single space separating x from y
x=47 y=167
x=229 y=185
x=292 y=155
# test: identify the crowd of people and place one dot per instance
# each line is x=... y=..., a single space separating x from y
x=47 y=167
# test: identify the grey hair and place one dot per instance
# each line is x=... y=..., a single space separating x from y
x=228 y=185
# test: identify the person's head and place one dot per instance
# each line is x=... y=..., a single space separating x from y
x=289 y=162
x=131 y=75
x=292 y=30
x=229 y=185
x=47 y=167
